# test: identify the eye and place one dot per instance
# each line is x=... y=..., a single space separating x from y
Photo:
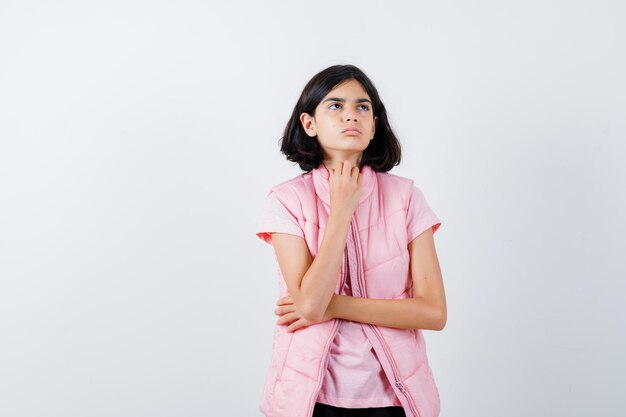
x=366 y=107
x=334 y=104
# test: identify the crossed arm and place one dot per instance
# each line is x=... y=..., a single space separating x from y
x=426 y=310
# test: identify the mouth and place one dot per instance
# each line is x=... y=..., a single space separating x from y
x=351 y=131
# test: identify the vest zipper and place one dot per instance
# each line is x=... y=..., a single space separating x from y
x=360 y=280
x=326 y=357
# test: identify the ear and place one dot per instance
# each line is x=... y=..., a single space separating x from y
x=308 y=123
x=375 y=125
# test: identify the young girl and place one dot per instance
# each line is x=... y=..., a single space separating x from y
x=358 y=271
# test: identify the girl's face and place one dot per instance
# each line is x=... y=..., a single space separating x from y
x=343 y=122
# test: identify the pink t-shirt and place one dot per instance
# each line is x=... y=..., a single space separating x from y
x=354 y=377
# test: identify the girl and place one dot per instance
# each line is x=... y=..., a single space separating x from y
x=358 y=272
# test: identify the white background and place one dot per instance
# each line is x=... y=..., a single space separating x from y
x=138 y=140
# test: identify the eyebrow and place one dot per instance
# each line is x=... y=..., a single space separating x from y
x=343 y=100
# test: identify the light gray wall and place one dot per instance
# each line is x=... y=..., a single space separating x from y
x=138 y=140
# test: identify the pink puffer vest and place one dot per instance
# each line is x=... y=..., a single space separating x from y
x=377 y=253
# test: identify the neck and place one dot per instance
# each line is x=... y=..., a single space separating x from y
x=333 y=163
x=321 y=176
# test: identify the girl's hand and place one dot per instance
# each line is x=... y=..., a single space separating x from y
x=345 y=188
x=289 y=315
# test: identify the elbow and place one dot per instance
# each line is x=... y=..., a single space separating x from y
x=313 y=308
x=305 y=307
x=441 y=322
x=430 y=316
x=437 y=317
x=313 y=317
x=311 y=312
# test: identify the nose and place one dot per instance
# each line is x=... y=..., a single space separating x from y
x=350 y=117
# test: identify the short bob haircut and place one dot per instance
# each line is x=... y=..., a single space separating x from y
x=382 y=153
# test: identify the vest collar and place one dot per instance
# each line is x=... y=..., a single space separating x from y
x=321 y=181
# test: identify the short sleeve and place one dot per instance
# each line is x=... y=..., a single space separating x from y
x=420 y=216
x=276 y=217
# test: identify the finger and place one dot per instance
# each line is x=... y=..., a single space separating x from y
x=285 y=309
x=345 y=167
x=281 y=301
x=296 y=325
x=288 y=318
x=285 y=300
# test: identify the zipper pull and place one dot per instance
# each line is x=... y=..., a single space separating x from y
x=400 y=387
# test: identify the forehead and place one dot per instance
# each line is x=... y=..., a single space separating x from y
x=351 y=89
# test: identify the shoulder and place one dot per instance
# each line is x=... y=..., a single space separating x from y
x=292 y=191
x=395 y=185
x=394 y=180
x=289 y=184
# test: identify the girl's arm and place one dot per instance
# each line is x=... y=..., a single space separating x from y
x=312 y=282
x=426 y=310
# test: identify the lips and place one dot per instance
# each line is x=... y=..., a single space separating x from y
x=351 y=130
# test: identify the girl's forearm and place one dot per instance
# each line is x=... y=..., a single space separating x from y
x=408 y=313
x=319 y=282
